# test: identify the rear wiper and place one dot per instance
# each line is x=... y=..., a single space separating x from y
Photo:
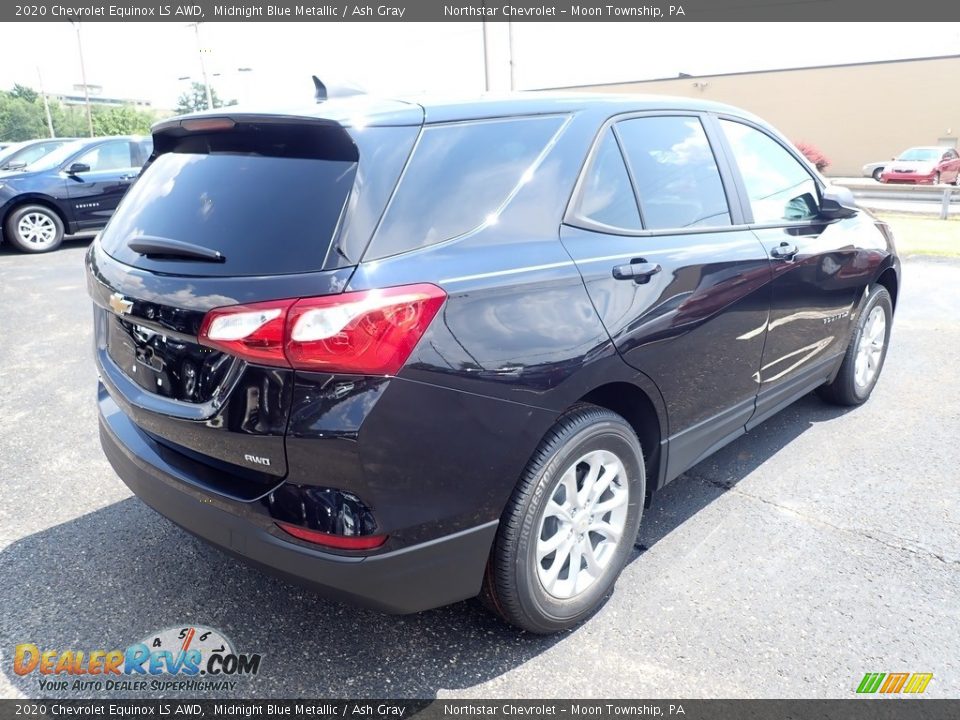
x=159 y=248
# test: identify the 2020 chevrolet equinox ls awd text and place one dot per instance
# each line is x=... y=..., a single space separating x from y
x=410 y=353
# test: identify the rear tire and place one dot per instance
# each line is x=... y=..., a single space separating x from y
x=877 y=173
x=548 y=527
x=865 y=354
x=34 y=229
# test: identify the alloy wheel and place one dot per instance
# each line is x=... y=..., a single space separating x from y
x=37 y=229
x=870 y=348
x=582 y=524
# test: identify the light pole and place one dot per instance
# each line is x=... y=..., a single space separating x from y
x=513 y=75
x=486 y=58
x=46 y=105
x=203 y=67
x=245 y=71
x=83 y=76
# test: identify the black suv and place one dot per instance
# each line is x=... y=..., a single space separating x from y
x=72 y=189
x=409 y=353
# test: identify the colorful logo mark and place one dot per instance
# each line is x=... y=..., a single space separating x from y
x=888 y=683
x=186 y=651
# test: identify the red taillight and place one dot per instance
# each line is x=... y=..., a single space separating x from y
x=371 y=332
x=341 y=542
x=253 y=332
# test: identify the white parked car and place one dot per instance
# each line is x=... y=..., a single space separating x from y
x=874 y=169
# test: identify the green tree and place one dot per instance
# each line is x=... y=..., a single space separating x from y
x=196 y=99
x=20 y=119
x=121 y=120
x=69 y=121
x=25 y=93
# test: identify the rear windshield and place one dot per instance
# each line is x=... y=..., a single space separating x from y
x=267 y=214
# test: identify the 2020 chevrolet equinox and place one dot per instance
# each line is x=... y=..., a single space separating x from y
x=410 y=352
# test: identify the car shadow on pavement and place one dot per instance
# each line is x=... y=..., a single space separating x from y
x=705 y=482
x=106 y=580
x=69 y=241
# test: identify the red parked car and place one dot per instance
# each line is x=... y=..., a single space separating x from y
x=924 y=165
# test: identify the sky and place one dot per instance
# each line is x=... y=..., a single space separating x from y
x=146 y=60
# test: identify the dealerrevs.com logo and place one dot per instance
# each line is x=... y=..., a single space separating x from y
x=177 y=659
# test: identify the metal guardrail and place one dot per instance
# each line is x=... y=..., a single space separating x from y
x=947 y=195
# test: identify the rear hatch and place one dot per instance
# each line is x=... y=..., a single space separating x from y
x=232 y=210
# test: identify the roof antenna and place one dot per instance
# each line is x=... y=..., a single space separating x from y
x=325 y=91
x=320 y=90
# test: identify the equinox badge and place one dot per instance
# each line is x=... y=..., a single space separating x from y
x=120 y=304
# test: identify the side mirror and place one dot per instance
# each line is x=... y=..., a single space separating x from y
x=837 y=203
x=77 y=168
x=15 y=165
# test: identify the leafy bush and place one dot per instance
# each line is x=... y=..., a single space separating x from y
x=22 y=117
x=820 y=161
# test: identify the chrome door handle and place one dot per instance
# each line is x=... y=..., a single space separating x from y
x=784 y=251
x=640 y=272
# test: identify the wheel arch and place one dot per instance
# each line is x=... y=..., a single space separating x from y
x=44 y=200
x=637 y=408
x=888 y=278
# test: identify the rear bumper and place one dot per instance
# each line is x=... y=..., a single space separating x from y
x=419 y=577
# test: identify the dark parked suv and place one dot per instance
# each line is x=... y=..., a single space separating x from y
x=72 y=189
x=412 y=353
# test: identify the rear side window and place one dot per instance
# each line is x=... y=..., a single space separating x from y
x=606 y=197
x=253 y=195
x=778 y=185
x=33 y=153
x=678 y=183
x=459 y=177
x=117 y=155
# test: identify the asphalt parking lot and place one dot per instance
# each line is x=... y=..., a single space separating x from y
x=824 y=545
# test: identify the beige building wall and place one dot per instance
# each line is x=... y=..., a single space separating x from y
x=854 y=114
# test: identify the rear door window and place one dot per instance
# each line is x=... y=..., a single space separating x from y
x=460 y=176
x=606 y=196
x=253 y=196
x=116 y=155
x=779 y=187
x=673 y=166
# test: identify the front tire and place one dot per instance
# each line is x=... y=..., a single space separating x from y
x=865 y=354
x=570 y=524
x=34 y=229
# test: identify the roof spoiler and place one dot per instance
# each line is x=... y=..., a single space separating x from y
x=321 y=92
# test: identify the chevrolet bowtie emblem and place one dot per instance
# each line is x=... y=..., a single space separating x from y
x=120 y=304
